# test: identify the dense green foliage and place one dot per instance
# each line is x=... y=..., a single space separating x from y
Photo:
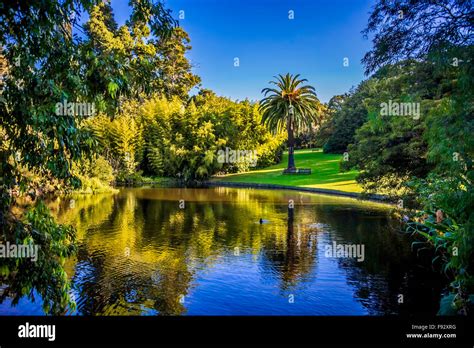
x=171 y=138
x=43 y=63
x=424 y=157
x=126 y=63
x=411 y=29
x=44 y=273
x=345 y=118
x=390 y=149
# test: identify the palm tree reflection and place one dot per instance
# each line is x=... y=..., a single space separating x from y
x=293 y=261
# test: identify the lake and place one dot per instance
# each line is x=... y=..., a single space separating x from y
x=237 y=251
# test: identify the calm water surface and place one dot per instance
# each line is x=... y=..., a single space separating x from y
x=140 y=253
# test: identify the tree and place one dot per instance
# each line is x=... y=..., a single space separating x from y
x=388 y=149
x=127 y=62
x=174 y=69
x=292 y=106
x=405 y=29
x=184 y=140
x=46 y=65
x=347 y=117
x=438 y=36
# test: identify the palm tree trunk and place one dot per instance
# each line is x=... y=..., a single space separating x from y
x=291 y=146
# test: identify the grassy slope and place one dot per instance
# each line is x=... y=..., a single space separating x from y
x=324 y=173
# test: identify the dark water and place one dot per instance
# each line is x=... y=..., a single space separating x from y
x=141 y=253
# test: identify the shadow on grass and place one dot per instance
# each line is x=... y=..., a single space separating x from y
x=324 y=171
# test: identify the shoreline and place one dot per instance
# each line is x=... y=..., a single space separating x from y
x=371 y=197
x=210 y=183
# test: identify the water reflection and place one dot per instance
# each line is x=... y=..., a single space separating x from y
x=141 y=252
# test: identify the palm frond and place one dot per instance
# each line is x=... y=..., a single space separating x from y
x=289 y=90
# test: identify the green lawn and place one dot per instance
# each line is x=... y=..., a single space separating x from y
x=324 y=173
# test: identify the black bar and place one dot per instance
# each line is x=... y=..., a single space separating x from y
x=260 y=330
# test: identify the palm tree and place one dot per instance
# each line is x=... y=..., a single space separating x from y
x=292 y=106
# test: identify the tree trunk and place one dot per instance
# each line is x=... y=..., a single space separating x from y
x=291 y=146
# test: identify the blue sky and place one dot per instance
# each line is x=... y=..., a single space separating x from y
x=259 y=33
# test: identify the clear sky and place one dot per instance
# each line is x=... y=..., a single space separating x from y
x=260 y=33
